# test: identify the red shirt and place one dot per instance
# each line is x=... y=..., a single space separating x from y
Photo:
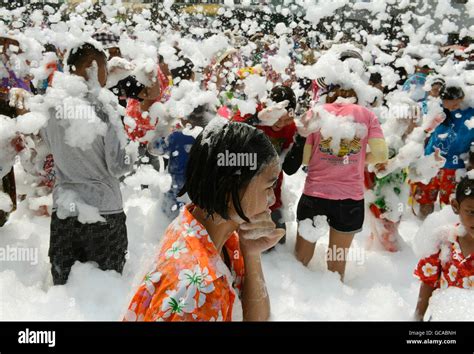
x=448 y=267
x=281 y=140
x=142 y=121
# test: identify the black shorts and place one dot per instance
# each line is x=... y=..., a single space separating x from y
x=102 y=242
x=346 y=215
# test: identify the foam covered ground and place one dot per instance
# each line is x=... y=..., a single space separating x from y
x=378 y=287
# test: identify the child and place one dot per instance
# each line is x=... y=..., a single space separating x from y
x=453 y=138
x=437 y=85
x=177 y=146
x=383 y=211
x=9 y=47
x=334 y=187
x=52 y=64
x=90 y=174
x=416 y=82
x=138 y=123
x=282 y=134
x=390 y=191
x=210 y=256
x=453 y=264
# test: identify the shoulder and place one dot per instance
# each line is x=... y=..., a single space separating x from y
x=468 y=113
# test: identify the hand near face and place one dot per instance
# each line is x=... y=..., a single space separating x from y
x=271 y=115
x=308 y=123
x=259 y=235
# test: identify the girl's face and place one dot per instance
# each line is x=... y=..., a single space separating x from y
x=465 y=210
x=435 y=90
x=284 y=120
x=259 y=196
x=452 y=105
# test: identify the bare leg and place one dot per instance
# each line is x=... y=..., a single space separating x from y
x=304 y=250
x=339 y=242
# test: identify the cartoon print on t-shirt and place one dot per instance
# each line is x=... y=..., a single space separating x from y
x=346 y=148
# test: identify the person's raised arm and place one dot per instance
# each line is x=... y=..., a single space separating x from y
x=294 y=157
x=307 y=152
x=256 y=237
x=378 y=151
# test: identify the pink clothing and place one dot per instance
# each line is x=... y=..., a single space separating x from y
x=338 y=175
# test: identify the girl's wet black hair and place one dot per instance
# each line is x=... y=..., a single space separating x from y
x=184 y=72
x=284 y=93
x=210 y=186
x=465 y=189
x=79 y=55
x=201 y=115
x=450 y=93
x=49 y=48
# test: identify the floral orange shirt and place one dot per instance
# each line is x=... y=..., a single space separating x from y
x=189 y=280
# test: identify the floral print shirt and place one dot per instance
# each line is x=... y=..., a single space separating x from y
x=189 y=280
x=448 y=267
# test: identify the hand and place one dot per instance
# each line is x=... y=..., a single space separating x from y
x=270 y=115
x=117 y=65
x=259 y=235
x=438 y=157
x=431 y=126
x=18 y=143
x=308 y=123
x=118 y=69
x=380 y=167
x=18 y=98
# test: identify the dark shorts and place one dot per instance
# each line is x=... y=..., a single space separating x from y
x=346 y=215
x=102 y=242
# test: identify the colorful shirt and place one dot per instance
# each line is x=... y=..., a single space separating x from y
x=340 y=175
x=189 y=280
x=51 y=68
x=12 y=81
x=448 y=267
x=142 y=121
x=453 y=138
x=281 y=140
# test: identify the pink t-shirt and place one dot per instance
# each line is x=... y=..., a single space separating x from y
x=336 y=171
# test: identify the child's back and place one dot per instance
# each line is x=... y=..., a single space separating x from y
x=83 y=134
x=92 y=173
